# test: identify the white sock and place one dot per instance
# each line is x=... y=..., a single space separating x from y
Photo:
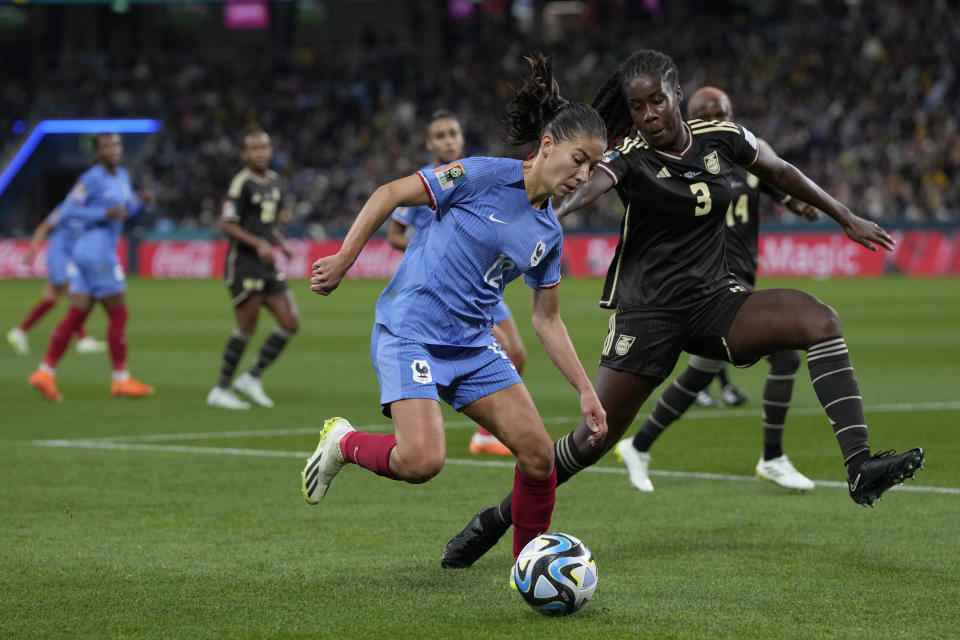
x=45 y=367
x=121 y=376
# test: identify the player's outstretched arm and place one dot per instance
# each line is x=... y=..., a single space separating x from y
x=552 y=333
x=586 y=194
x=773 y=170
x=39 y=235
x=405 y=192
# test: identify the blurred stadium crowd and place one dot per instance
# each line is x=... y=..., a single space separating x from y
x=862 y=97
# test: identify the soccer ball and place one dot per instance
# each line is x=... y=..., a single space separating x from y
x=555 y=573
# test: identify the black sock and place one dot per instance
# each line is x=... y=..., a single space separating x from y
x=231 y=356
x=835 y=385
x=722 y=375
x=776 y=400
x=271 y=348
x=672 y=404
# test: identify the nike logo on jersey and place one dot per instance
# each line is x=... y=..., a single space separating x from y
x=692 y=174
x=492 y=219
x=663 y=173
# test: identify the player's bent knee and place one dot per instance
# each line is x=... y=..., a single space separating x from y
x=825 y=324
x=535 y=459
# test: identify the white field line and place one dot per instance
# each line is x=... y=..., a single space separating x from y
x=700 y=414
x=270 y=453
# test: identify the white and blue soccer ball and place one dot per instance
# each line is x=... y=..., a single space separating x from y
x=555 y=573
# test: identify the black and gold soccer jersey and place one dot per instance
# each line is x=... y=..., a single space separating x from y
x=743 y=223
x=671 y=248
x=253 y=203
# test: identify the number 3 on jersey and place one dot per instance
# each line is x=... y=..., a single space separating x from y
x=704 y=201
x=268 y=211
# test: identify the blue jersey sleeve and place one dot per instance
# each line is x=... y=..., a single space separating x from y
x=547 y=272
x=133 y=203
x=77 y=205
x=455 y=183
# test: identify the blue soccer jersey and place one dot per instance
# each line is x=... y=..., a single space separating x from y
x=60 y=242
x=95 y=191
x=95 y=252
x=485 y=234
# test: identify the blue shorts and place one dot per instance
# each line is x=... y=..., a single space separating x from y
x=99 y=279
x=501 y=312
x=59 y=267
x=458 y=375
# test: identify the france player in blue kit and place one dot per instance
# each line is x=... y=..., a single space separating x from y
x=101 y=200
x=444 y=140
x=432 y=337
x=61 y=235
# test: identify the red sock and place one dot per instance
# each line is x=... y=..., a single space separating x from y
x=60 y=339
x=39 y=310
x=81 y=332
x=369 y=450
x=533 y=500
x=117 y=337
x=483 y=432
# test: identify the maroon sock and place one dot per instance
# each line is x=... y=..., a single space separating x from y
x=117 y=337
x=39 y=310
x=483 y=432
x=533 y=500
x=369 y=450
x=81 y=332
x=60 y=339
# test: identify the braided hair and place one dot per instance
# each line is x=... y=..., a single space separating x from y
x=610 y=101
x=538 y=108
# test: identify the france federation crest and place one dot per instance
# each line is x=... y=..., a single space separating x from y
x=421 y=371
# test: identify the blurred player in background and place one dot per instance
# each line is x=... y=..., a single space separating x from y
x=444 y=140
x=101 y=200
x=672 y=291
x=249 y=219
x=432 y=336
x=62 y=235
x=741 y=233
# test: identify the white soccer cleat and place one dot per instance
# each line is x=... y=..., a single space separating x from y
x=89 y=344
x=251 y=387
x=704 y=399
x=781 y=471
x=17 y=339
x=225 y=399
x=325 y=462
x=638 y=464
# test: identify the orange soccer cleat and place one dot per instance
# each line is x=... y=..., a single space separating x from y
x=483 y=444
x=46 y=384
x=130 y=388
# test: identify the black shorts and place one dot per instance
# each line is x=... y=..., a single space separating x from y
x=648 y=341
x=246 y=275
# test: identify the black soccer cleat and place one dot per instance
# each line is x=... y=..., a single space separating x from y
x=478 y=537
x=882 y=471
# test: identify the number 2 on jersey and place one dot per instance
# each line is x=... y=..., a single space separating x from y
x=704 y=201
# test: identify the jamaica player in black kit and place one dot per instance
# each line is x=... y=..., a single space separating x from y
x=671 y=289
x=741 y=234
x=249 y=219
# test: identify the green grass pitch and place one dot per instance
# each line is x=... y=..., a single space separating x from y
x=162 y=518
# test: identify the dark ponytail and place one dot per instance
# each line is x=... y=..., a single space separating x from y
x=610 y=101
x=538 y=108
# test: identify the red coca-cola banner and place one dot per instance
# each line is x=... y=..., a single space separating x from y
x=819 y=255
x=14 y=263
